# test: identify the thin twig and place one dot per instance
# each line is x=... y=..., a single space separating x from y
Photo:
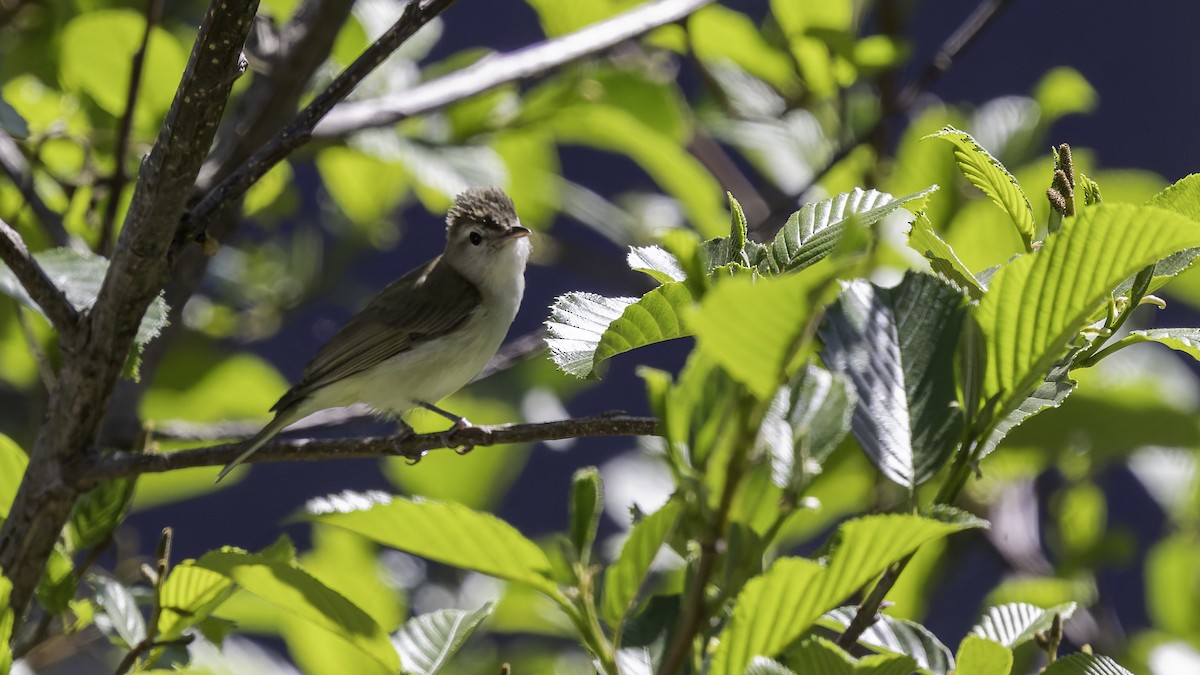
x=299 y=130
x=117 y=183
x=34 y=280
x=118 y=465
x=954 y=45
x=505 y=68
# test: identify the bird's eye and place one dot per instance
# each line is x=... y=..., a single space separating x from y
x=476 y=238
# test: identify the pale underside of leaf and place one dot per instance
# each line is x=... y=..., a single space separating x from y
x=899 y=636
x=427 y=642
x=1015 y=623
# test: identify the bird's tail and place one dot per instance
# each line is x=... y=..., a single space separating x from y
x=282 y=419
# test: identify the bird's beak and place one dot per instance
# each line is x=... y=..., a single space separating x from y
x=516 y=232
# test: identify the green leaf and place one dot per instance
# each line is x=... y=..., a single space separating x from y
x=7 y=620
x=1063 y=91
x=427 y=642
x=284 y=584
x=1016 y=623
x=816 y=229
x=818 y=655
x=1050 y=393
x=1186 y=340
x=57 y=586
x=775 y=608
x=989 y=175
x=680 y=175
x=1037 y=304
x=585 y=330
x=96 y=58
x=897 y=345
x=625 y=576
x=694 y=410
x=1081 y=663
x=759 y=329
x=761 y=665
x=1172 y=581
x=719 y=34
x=79 y=275
x=13 y=461
x=366 y=188
x=897 y=636
x=942 y=259
x=587 y=504
x=121 y=609
x=558 y=18
x=981 y=656
x=190 y=593
x=804 y=423
x=655 y=261
x=99 y=511
x=449 y=533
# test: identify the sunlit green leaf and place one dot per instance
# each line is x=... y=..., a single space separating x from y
x=625 y=576
x=366 y=188
x=897 y=346
x=981 y=656
x=942 y=259
x=1172 y=580
x=586 y=330
x=446 y=532
x=286 y=585
x=989 y=175
x=6 y=625
x=13 y=461
x=718 y=33
x=1063 y=91
x=759 y=329
x=427 y=642
x=1038 y=303
x=57 y=586
x=1016 y=623
x=1081 y=663
x=777 y=607
x=190 y=593
x=815 y=231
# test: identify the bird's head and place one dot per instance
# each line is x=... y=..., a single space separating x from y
x=484 y=237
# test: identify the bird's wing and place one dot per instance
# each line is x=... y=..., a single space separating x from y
x=424 y=304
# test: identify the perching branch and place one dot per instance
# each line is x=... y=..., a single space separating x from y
x=299 y=130
x=35 y=281
x=414 y=447
x=504 y=68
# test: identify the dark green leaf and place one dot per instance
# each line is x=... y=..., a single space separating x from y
x=1049 y=394
x=625 y=576
x=121 y=609
x=897 y=346
x=427 y=642
x=80 y=276
x=587 y=505
x=816 y=229
x=898 y=636
x=818 y=655
x=805 y=422
x=99 y=511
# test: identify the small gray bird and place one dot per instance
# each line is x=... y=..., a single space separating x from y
x=427 y=334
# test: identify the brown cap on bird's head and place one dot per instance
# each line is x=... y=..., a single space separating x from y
x=488 y=206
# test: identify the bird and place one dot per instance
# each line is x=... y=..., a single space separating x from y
x=427 y=334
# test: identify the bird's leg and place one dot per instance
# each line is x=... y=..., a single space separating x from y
x=460 y=422
x=405 y=431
